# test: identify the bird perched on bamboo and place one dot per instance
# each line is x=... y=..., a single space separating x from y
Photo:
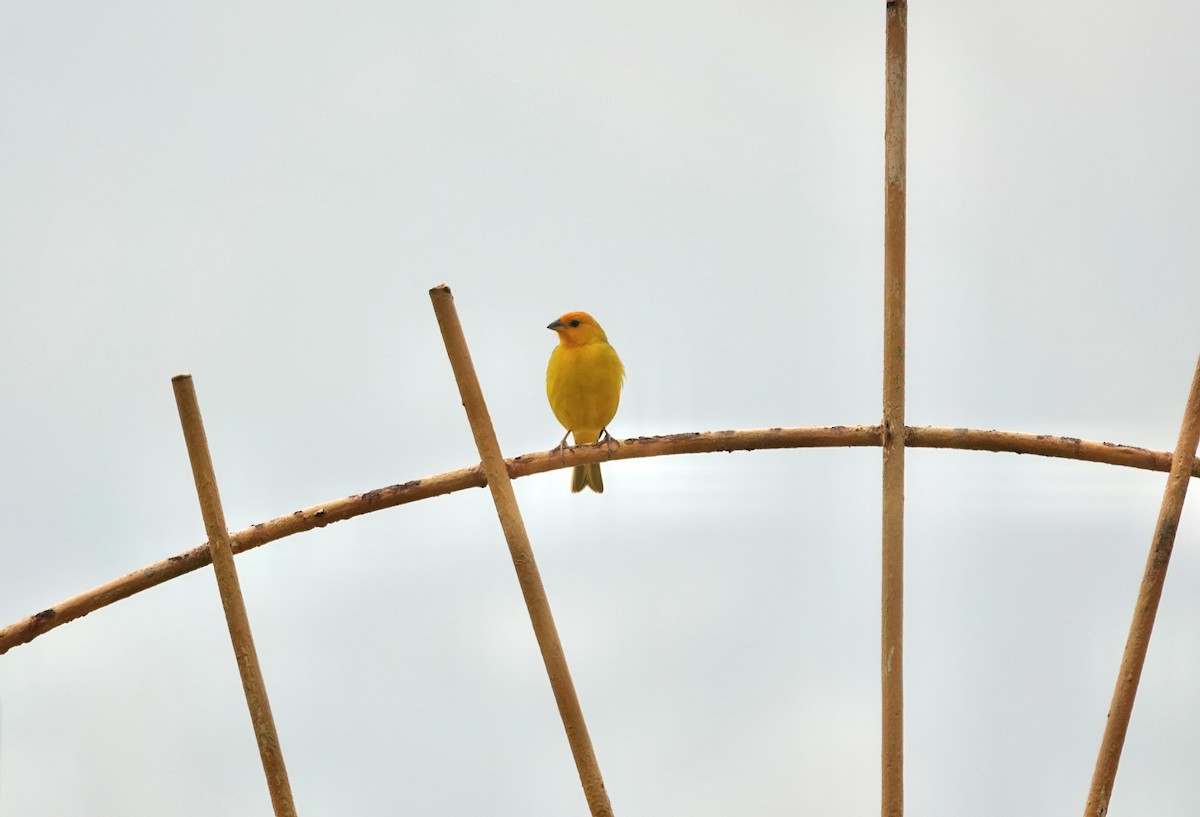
x=583 y=382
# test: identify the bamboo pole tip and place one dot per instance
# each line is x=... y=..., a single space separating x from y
x=181 y=378
x=440 y=289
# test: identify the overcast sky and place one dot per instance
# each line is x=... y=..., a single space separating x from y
x=262 y=194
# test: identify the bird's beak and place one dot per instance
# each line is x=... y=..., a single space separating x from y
x=556 y=325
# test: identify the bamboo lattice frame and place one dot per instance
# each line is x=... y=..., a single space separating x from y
x=892 y=435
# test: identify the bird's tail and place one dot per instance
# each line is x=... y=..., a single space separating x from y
x=587 y=476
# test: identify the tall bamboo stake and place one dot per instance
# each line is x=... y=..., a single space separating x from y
x=892 y=638
x=1146 y=608
x=530 y=579
x=231 y=596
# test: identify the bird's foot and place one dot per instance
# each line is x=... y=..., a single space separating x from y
x=561 y=448
x=610 y=440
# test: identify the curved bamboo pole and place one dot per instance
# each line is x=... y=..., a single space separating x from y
x=696 y=442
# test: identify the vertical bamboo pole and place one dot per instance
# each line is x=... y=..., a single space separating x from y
x=530 y=579
x=1146 y=608
x=892 y=629
x=231 y=596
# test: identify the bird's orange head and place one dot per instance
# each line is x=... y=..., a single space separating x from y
x=578 y=329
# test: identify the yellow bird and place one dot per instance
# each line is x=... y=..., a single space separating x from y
x=583 y=382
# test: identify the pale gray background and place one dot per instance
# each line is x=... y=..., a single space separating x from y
x=261 y=194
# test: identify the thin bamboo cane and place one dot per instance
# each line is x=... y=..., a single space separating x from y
x=1146 y=608
x=231 y=596
x=706 y=442
x=496 y=471
x=893 y=435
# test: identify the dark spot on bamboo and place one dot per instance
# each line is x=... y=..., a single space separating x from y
x=174 y=558
x=44 y=616
x=776 y=429
x=319 y=513
x=960 y=431
x=1072 y=440
x=838 y=429
x=1164 y=544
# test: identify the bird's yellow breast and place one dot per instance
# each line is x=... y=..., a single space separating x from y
x=584 y=386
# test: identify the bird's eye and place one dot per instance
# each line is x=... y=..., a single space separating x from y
x=575 y=323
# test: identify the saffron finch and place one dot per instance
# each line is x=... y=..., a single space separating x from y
x=583 y=382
